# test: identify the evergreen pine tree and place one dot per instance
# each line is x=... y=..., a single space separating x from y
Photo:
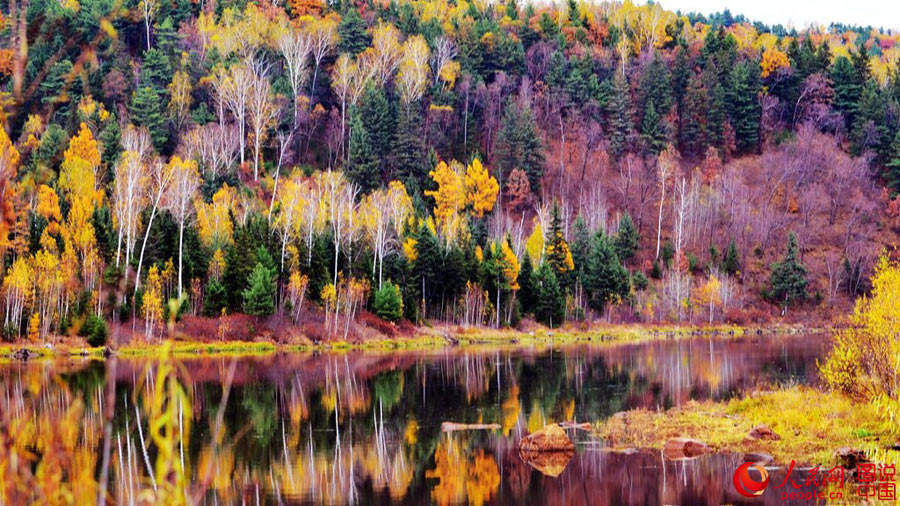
x=823 y=56
x=427 y=276
x=557 y=253
x=731 y=264
x=146 y=111
x=362 y=166
x=410 y=160
x=656 y=86
x=681 y=74
x=788 y=281
x=156 y=70
x=240 y=260
x=550 y=303
x=388 y=303
x=656 y=270
x=744 y=106
x=574 y=14
x=870 y=126
x=693 y=118
x=715 y=114
x=104 y=233
x=215 y=299
x=892 y=167
x=627 y=239
x=166 y=36
x=581 y=246
x=354 y=38
x=557 y=71
x=847 y=89
x=605 y=278
x=259 y=297
x=380 y=123
x=653 y=131
x=621 y=125
x=861 y=65
x=54 y=82
x=518 y=145
x=110 y=137
x=526 y=294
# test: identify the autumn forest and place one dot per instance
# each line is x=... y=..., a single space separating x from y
x=354 y=167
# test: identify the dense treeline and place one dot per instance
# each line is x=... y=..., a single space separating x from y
x=467 y=162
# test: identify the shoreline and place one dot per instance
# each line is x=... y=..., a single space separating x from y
x=436 y=338
x=800 y=417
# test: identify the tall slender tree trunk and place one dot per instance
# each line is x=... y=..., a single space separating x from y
x=256 y=157
x=180 y=249
x=137 y=281
x=659 y=220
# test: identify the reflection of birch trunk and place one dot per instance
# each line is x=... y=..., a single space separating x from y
x=109 y=411
x=144 y=448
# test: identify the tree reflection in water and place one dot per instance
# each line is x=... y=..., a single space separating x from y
x=365 y=427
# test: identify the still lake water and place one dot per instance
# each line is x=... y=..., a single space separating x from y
x=364 y=427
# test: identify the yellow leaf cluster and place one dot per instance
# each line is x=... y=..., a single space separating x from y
x=450 y=196
x=84 y=146
x=217 y=265
x=9 y=165
x=481 y=188
x=509 y=264
x=568 y=263
x=773 y=60
x=534 y=245
x=458 y=480
x=864 y=358
x=708 y=293
x=151 y=306
x=213 y=221
x=409 y=249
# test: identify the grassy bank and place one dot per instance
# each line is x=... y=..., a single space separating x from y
x=812 y=425
x=427 y=338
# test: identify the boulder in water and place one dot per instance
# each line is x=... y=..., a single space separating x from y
x=551 y=438
x=682 y=448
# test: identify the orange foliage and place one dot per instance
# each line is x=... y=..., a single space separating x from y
x=9 y=165
x=300 y=8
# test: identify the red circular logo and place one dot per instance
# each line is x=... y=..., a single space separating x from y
x=745 y=484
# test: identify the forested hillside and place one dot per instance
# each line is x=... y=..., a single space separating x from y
x=461 y=162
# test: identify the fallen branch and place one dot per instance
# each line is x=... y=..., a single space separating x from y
x=575 y=425
x=452 y=427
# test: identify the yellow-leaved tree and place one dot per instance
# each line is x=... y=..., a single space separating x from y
x=449 y=198
x=78 y=182
x=213 y=223
x=865 y=359
x=9 y=165
x=17 y=288
x=152 y=304
x=534 y=245
x=509 y=265
x=773 y=60
x=708 y=295
x=481 y=189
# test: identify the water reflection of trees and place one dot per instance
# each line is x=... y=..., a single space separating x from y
x=365 y=428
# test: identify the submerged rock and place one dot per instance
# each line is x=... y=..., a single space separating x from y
x=549 y=463
x=850 y=458
x=759 y=458
x=549 y=439
x=681 y=448
x=763 y=432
